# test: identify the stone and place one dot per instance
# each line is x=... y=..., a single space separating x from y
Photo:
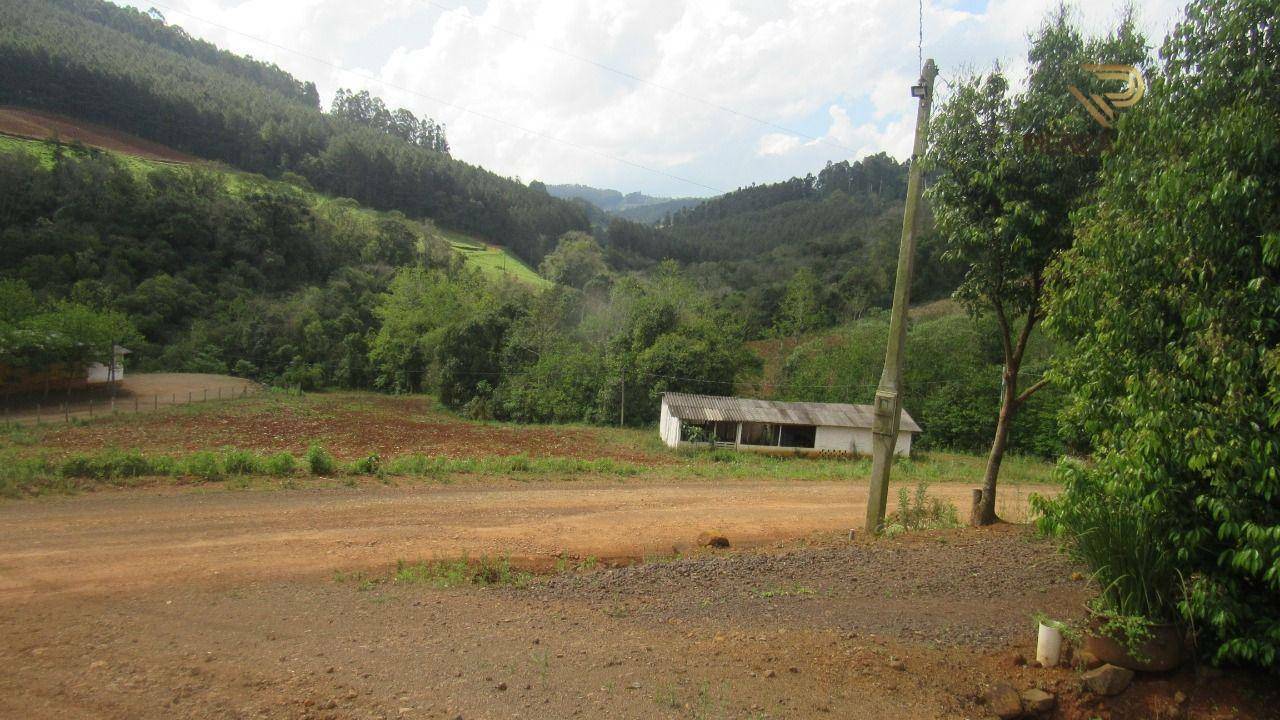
x=770 y=673
x=1087 y=660
x=714 y=540
x=502 y=686
x=1017 y=659
x=1036 y=701
x=897 y=664
x=1179 y=697
x=1107 y=680
x=1004 y=701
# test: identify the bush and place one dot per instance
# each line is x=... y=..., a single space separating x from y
x=369 y=465
x=921 y=512
x=280 y=464
x=241 y=462
x=319 y=461
x=109 y=465
x=204 y=465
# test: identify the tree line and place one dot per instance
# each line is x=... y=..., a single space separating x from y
x=130 y=71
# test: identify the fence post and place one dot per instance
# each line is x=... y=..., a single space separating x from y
x=155 y=402
x=188 y=397
x=66 y=416
x=219 y=392
x=173 y=399
x=206 y=395
x=90 y=409
x=113 y=404
x=37 y=413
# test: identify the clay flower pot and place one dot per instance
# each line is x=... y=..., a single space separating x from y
x=1164 y=650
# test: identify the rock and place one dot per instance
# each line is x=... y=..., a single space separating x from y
x=1107 y=680
x=502 y=686
x=1034 y=664
x=793 y=670
x=1017 y=659
x=1179 y=697
x=1036 y=701
x=1087 y=660
x=897 y=664
x=770 y=673
x=715 y=540
x=1004 y=701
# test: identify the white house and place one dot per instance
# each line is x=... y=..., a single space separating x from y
x=773 y=426
x=97 y=373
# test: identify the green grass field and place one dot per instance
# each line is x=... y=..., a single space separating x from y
x=494 y=261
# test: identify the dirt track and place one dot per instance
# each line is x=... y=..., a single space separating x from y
x=39 y=125
x=122 y=541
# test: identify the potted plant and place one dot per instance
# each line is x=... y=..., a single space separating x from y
x=1133 y=620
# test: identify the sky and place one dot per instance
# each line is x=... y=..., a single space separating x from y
x=666 y=97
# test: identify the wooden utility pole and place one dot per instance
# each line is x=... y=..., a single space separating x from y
x=888 y=404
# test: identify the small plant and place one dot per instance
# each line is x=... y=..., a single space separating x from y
x=453 y=573
x=784 y=591
x=918 y=511
x=368 y=465
x=280 y=465
x=319 y=461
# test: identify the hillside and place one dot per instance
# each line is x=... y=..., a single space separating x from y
x=635 y=206
x=131 y=72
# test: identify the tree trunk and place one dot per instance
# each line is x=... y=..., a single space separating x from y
x=984 y=511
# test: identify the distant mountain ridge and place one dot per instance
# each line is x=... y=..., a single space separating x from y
x=635 y=206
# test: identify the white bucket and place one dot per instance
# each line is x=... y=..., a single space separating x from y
x=1049 y=646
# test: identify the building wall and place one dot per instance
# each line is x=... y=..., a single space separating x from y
x=668 y=427
x=834 y=438
x=862 y=442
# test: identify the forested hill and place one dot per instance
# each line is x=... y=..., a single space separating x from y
x=632 y=206
x=831 y=238
x=131 y=71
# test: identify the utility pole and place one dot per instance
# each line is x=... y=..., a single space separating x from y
x=888 y=404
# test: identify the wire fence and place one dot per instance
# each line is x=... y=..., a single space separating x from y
x=44 y=413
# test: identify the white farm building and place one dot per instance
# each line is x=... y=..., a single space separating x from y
x=773 y=426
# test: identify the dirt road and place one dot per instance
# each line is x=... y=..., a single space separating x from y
x=119 y=541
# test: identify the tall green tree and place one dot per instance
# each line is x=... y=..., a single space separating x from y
x=576 y=261
x=1003 y=202
x=1169 y=305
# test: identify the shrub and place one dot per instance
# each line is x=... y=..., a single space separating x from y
x=921 y=512
x=280 y=464
x=369 y=465
x=204 y=465
x=319 y=461
x=241 y=462
x=109 y=465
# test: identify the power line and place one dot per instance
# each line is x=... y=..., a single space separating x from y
x=442 y=101
x=649 y=83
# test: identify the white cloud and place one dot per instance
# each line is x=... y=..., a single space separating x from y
x=838 y=70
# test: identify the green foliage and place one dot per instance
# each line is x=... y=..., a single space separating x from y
x=1004 y=204
x=454 y=573
x=121 y=68
x=918 y=511
x=576 y=261
x=319 y=461
x=1169 y=306
x=951 y=380
x=204 y=465
x=113 y=465
x=800 y=311
x=280 y=464
x=241 y=462
x=368 y=465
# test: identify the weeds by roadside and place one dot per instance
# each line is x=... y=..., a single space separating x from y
x=919 y=511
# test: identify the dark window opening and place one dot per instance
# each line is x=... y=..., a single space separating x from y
x=799 y=436
x=754 y=433
x=726 y=432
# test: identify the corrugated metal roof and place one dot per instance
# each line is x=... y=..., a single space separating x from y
x=707 y=408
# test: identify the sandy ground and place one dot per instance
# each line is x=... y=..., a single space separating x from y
x=124 y=541
x=208 y=603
